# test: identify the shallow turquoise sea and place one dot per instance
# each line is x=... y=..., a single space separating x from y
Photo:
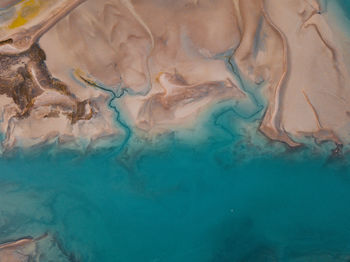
x=221 y=200
x=345 y=6
x=180 y=203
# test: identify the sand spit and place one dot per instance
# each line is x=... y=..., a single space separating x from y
x=46 y=247
x=22 y=250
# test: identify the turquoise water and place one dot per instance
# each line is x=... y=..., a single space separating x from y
x=218 y=201
x=345 y=6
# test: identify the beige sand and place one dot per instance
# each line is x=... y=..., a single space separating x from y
x=18 y=251
x=309 y=96
x=168 y=59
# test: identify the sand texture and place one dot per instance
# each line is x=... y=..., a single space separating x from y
x=71 y=70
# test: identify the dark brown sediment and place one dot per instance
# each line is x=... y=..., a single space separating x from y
x=24 y=77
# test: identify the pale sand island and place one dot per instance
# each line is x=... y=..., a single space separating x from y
x=22 y=250
x=43 y=248
x=69 y=66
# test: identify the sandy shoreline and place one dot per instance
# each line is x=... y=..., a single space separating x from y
x=164 y=71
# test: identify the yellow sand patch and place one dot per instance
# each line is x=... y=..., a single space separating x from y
x=80 y=74
x=29 y=9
